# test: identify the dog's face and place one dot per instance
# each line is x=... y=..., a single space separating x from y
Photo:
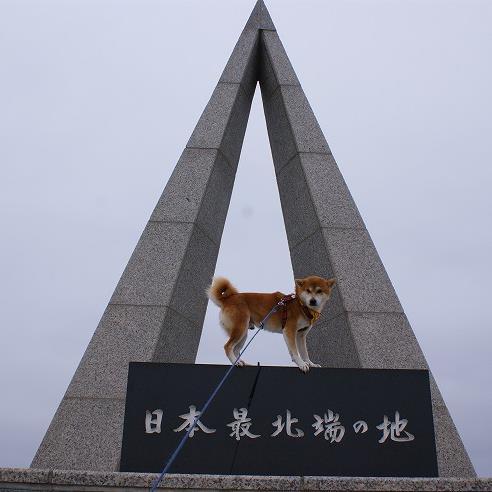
x=314 y=291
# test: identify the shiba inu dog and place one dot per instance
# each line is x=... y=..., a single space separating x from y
x=240 y=311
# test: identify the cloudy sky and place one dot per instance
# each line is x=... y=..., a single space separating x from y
x=97 y=101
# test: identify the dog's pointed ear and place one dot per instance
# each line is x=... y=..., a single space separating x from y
x=331 y=282
x=299 y=282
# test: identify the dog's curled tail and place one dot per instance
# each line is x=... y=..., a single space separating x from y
x=221 y=288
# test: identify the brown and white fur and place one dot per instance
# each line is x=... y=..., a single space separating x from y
x=240 y=311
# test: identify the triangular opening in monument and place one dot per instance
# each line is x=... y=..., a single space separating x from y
x=254 y=253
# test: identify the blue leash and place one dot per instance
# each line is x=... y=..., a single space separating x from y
x=210 y=398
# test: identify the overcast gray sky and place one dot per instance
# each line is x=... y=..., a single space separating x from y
x=97 y=101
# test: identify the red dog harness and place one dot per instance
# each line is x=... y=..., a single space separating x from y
x=310 y=314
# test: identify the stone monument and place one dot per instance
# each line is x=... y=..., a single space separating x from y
x=152 y=317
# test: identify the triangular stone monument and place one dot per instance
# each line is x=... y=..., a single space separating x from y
x=157 y=310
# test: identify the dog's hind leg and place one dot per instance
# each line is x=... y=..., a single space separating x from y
x=237 y=336
x=238 y=348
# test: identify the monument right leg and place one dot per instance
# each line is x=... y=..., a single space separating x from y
x=364 y=324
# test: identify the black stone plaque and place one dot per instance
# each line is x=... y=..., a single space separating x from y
x=350 y=422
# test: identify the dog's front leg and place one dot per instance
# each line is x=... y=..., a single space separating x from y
x=290 y=336
x=303 y=351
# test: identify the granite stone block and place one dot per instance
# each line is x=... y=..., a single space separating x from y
x=313 y=195
x=284 y=73
x=311 y=257
x=452 y=458
x=242 y=66
x=232 y=142
x=396 y=484
x=328 y=191
x=154 y=266
x=104 y=480
x=223 y=122
x=23 y=475
x=199 y=191
x=330 y=342
x=85 y=434
x=210 y=129
x=215 y=204
x=132 y=334
x=260 y=18
x=305 y=128
x=234 y=482
x=124 y=334
x=385 y=341
x=178 y=341
x=30 y=479
x=280 y=134
x=300 y=217
x=181 y=199
x=292 y=126
x=188 y=296
x=266 y=75
x=363 y=282
x=156 y=263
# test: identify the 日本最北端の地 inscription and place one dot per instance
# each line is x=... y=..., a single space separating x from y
x=277 y=421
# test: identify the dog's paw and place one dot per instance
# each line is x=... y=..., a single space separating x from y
x=241 y=363
x=312 y=364
x=303 y=366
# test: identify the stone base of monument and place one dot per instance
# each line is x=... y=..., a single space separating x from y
x=24 y=479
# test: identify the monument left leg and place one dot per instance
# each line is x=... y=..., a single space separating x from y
x=156 y=312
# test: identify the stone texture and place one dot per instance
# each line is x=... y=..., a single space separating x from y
x=223 y=122
x=362 y=280
x=266 y=75
x=311 y=257
x=452 y=458
x=292 y=126
x=307 y=132
x=280 y=133
x=242 y=67
x=24 y=475
x=300 y=217
x=395 y=484
x=154 y=266
x=85 y=434
x=197 y=268
x=277 y=58
x=178 y=342
x=236 y=128
x=330 y=342
x=124 y=334
x=328 y=191
x=260 y=18
x=198 y=191
x=385 y=341
x=313 y=195
x=168 y=254
x=49 y=480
